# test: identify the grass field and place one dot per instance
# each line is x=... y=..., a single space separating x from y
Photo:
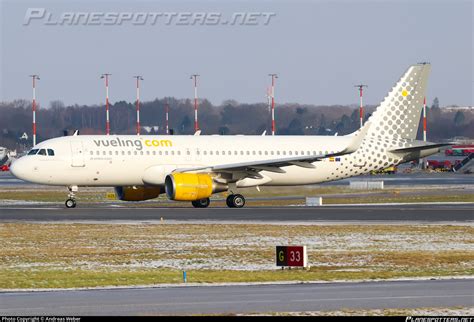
x=89 y=255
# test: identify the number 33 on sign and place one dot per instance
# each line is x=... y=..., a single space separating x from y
x=291 y=256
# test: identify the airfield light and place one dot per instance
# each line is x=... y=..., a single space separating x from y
x=34 y=78
x=196 y=125
x=361 y=108
x=107 y=122
x=139 y=78
x=273 y=76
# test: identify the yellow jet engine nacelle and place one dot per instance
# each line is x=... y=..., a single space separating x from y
x=140 y=193
x=191 y=186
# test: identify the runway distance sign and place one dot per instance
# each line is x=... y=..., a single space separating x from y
x=291 y=256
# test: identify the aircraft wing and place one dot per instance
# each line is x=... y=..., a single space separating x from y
x=274 y=165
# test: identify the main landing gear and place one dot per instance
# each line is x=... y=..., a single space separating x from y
x=71 y=201
x=235 y=201
x=202 y=203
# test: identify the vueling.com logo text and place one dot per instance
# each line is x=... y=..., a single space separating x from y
x=137 y=143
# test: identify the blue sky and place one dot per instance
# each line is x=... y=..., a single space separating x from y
x=319 y=49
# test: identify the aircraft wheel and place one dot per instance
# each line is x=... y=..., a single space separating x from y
x=202 y=203
x=229 y=202
x=70 y=203
x=238 y=201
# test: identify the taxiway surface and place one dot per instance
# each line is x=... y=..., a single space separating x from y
x=367 y=213
x=242 y=299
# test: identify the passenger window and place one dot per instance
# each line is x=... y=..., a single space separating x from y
x=248 y=152
x=179 y=152
x=141 y=152
x=253 y=152
x=110 y=152
x=116 y=153
x=154 y=152
x=135 y=152
x=104 y=152
x=296 y=152
x=129 y=152
x=166 y=152
x=161 y=152
x=33 y=152
x=42 y=152
x=266 y=152
x=278 y=152
x=284 y=152
x=290 y=153
x=97 y=152
x=92 y=152
x=50 y=152
x=172 y=152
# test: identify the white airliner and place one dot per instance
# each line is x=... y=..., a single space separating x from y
x=192 y=168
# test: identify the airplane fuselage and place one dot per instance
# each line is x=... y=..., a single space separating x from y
x=123 y=160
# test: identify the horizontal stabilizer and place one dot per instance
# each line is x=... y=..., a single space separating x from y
x=420 y=147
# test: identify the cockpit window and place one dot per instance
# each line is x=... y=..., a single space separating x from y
x=42 y=152
x=33 y=152
x=50 y=152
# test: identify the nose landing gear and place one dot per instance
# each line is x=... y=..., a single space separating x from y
x=71 y=201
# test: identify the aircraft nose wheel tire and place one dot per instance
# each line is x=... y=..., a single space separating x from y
x=70 y=203
x=202 y=203
x=235 y=201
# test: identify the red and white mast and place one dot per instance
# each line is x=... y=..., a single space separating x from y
x=34 y=78
x=423 y=165
x=273 y=76
x=196 y=124
x=107 y=119
x=139 y=78
x=167 y=111
x=424 y=119
x=361 y=107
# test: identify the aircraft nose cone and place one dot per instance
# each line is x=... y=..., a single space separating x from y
x=17 y=169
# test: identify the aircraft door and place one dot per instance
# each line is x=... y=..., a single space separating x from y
x=77 y=154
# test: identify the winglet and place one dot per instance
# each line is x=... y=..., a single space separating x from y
x=198 y=132
x=357 y=139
